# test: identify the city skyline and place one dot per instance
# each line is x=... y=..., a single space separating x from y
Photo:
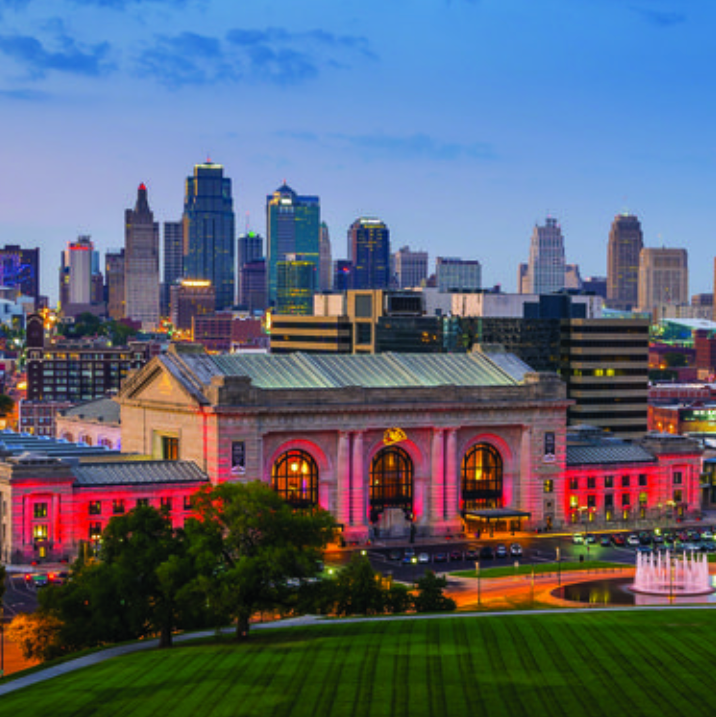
x=608 y=115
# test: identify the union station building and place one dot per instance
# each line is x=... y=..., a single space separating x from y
x=390 y=444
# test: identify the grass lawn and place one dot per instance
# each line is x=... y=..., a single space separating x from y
x=540 y=568
x=588 y=664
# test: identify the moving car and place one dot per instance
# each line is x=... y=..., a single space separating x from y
x=516 y=550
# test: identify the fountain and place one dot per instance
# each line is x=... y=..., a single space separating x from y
x=667 y=574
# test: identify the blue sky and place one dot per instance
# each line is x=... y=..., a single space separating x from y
x=460 y=123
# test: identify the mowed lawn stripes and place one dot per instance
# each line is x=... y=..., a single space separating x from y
x=591 y=664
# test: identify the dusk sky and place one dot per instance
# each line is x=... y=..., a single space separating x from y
x=459 y=123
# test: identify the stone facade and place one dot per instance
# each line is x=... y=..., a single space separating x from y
x=210 y=416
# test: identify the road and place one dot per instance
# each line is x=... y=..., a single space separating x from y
x=535 y=549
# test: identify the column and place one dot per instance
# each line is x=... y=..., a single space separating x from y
x=452 y=475
x=437 y=477
x=260 y=458
x=523 y=481
x=358 y=514
x=343 y=475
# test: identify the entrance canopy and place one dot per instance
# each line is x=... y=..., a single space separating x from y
x=496 y=514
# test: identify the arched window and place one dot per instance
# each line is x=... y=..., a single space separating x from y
x=294 y=477
x=482 y=477
x=391 y=480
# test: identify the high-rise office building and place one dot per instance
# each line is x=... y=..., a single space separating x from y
x=546 y=265
x=522 y=282
x=141 y=263
x=411 y=267
x=20 y=269
x=296 y=285
x=173 y=260
x=114 y=283
x=454 y=274
x=250 y=249
x=342 y=275
x=325 y=260
x=663 y=278
x=78 y=258
x=252 y=296
x=369 y=252
x=293 y=227
x=625 y=244
x=209 y=231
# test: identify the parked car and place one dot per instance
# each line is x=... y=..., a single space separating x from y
x=472 y=554
x=516 y=550
x=707 y=535
x=408 y=556
x=633 y=541
x=423 y=558
x=590 y=539
x=455 y=556
x=578 y=539
x=606 y=541
x=501 y=551
x=395 y=555
x=486 y=553
x=619 y=540
x=440 y=558
x=644 y=538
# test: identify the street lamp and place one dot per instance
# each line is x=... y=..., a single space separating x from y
x=414 y=561
x=477 y=572
x=559 y=568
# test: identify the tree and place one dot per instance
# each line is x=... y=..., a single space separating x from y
x=7 y=405
x=249 y=543
x=140 y=586
x=36 y=635
x=358 y=589
x=430 y=597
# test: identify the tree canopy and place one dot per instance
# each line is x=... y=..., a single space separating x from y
x=251 y=546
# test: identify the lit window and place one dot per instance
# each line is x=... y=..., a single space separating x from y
x=40 y=510
x=95 y=507
x=118 y=507
x=548 y=486
x=39 y=532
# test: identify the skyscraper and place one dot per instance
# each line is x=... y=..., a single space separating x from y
x=369 y=252
x=546 y=266
x=325 y=260
x=625 y=244
x=79 y=261
x=250 y=249
x=114 y=283
x=663 y=278
x=209 y=231
x=293 y=227
x=411 y=267
x=141 y=263
x=173 y=260
x=296 y=285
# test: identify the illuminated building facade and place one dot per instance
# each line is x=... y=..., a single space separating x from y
x=56 y=497
x=296 y=285
x=625 y=484
x=114 y=283
x=384 y=442
x=293 y=225
x=173 y=260
x=20 y=269
x=209 y=231
x=190 y=298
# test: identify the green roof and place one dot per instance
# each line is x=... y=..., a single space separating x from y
x=388 y=370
